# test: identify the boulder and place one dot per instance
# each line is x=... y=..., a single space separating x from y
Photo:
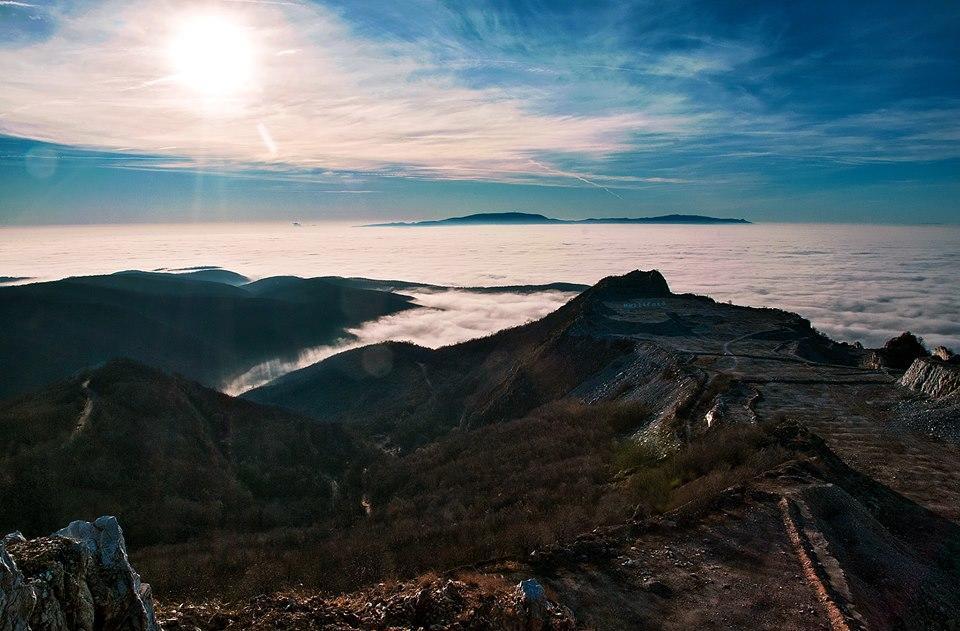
x=80 y=579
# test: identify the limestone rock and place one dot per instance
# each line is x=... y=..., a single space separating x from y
x=944 y=354
x=79 y=579
x=933 y=378
x=17 y=598
x=14 y=537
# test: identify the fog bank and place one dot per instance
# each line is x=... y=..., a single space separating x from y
x=444 y=318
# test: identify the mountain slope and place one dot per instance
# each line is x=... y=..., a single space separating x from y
x=169 y=457
x=689 y=362
x=209 y=331
x=808 y=544
x=768 y=530
x=413 y=394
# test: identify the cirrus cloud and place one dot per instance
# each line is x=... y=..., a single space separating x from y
x=319 y=97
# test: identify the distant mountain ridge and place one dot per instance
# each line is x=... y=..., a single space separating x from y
x=518 y=218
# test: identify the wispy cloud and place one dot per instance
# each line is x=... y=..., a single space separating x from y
x=618 y=97
x=321 y=97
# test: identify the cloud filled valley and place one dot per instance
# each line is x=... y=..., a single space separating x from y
x=445 y=317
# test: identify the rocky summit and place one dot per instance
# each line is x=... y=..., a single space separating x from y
x=636 y=284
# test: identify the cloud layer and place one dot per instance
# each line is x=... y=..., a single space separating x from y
x=854 y=282
x=446 y=317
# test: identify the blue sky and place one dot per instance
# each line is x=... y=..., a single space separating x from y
x=247 y=109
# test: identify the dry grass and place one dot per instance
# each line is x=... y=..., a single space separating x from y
x=723 y=457
x=498 y=491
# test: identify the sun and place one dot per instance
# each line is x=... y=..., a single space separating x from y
x=212 y=55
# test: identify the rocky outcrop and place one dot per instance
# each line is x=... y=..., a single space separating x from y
x=17 y=598
x=78 y=578
x=945 y=354
x=933 y=378
x=636 y=284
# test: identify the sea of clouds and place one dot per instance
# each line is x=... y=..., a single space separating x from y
x=862 y=283
x=444 y=317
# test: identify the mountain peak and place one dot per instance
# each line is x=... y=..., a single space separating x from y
x=635 y=284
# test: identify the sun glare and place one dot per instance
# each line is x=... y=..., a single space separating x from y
x=212 y=55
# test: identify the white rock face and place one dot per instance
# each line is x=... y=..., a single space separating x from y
x=14 y=537
x=933 y=378
x=17 y=598
x=77 y=579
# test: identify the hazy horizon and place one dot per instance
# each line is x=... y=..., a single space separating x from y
x=360 y=222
